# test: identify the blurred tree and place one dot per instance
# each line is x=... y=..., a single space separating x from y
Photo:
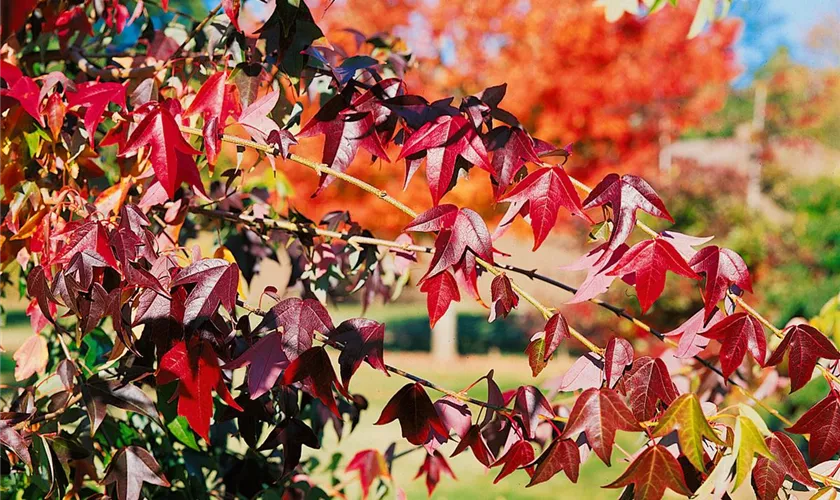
x=612 y=89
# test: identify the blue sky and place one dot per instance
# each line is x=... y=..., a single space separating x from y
x=788 y=22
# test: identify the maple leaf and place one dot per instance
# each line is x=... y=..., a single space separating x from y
x=292 y=434
x=170 y=154
x=31 y=357
x=806 y=345
x=561 y=455
x=371 y=465
x=440 y=289
x=511 y=148
x=686 y=417
x=769 y=475
x=821 y=423
x=556 y=330
x=598 y=263
x=625 y=195
x=455 y=416
x=587 y=372
x=536 y=353
x=26 y=92
x=648 y=261
x=692 y=341
x=475 y=441
x=654 y=470
x=415 y=412
x=314 y=369
x=130 y=468
x=94 y=98
x=648 y=382
x=91 y=235
x=216 y=98
x=444 y=139
x=503 y=296
x=738 y=333
x=532 y=407
x=12 y=439
x=461 y=230
x=722 y=267
x=196 y=368
x=361 y=340
x=432 y=466
x=599 y=413
x=345 y=130
x=216 y=282
x=748 y=442
x=232 y=11
x=253 y=117
x=617 y=356
x=38 y=287
x=299 y=319
x=55 y=111
x=519 y=455
x=540 y=196
x=98 y=394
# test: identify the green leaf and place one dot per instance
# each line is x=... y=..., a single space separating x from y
x=685 y=415
x=748 y=441
x=181 y=430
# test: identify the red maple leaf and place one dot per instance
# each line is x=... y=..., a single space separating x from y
x=432 y=466
x=561 y=454
x=474 y=440
x=821 y=423
x=371 y=465
x=26 y=92
x=648 y=261
x=460 y=230
x=556 y=330
x=647 y=383
x=94 y=97
x=196 y=368
x=599 y=413
x=511 y=148
x=345 y=130
x=807 y=345
x=361 y=340
x=625 y=195
x=503 y=296
x=539 y=196
x=738 y=333
x=654 y=470
x=532 y=407
x=90 y=235
x=441 y=290
x=415 y=412
x=722 y=268
x=617 y=356
x=291 y=324
x=521 y=454
x=314 y=369
x=444 y=139
x=216 y=282
x=216 y=98
x=768 y=475
x=170 y=154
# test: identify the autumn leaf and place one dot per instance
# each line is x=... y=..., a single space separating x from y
x=539 y=197
x=511 y=148
x=722 y=267
x=371 y=465
x=26 y=92
x=129 y=469
x=686 y=417
x=617 y=356
x=91 y=235
x=738 y=333
x=556 y=330
x=503 y=296
x=475 y=441
x=361 y=340
x=461 y=230
x=31 y=357
x=170 y=154
x=599 y=413
x=196 y=368
x=216 y=282
x=444 y=139
x=654 y=470
x=298 y=320
x=647 y=383
x=536 y=353
x=216 y=98
x=98 y=394
x=441 y=290
x=433 y=466
x=519 y=455
x=748 y=442
x=805 y=345
x=94 y=98
x=648 y=261
x=415 y=412
x=532 y=407
x=625 y=195
x=561 y=455
x=12 y=439
x=314 y=370
x=768 y=475
x=820 y=423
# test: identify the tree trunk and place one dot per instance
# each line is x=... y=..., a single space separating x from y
x=445 y=336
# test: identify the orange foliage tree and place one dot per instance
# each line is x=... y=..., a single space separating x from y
x=614 y=90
